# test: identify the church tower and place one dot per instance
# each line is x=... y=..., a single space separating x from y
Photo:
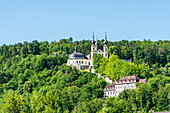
x=105 y=47
x=93 y=47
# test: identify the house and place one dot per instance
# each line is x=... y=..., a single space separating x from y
x=127 y=82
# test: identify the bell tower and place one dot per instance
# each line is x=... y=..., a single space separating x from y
x=105 y=47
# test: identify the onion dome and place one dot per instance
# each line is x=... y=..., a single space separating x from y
x=105 y=41
x=77 y=55
x=93 y=41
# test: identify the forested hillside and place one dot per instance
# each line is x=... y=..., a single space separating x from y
x=33 y=81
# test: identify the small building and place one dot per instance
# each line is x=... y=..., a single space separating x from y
x=127 y=82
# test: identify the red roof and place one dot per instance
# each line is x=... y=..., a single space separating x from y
x=134 y=77
x=110 y=85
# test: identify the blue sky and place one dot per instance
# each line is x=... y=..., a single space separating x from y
x=28 y=20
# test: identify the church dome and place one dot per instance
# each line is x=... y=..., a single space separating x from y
x=77 y=55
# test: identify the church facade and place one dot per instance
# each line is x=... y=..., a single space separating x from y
x=80 y=61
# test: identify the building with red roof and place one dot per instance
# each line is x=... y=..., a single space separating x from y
x=127 y=82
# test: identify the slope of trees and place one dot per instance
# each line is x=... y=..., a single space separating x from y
x=32 y=81
x=46 y=84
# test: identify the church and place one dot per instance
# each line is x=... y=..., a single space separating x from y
x=82 y=62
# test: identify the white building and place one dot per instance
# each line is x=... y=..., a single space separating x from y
x=80 y=61
x=128 y=82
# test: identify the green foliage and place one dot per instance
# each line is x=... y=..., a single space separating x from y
x=31 y=80
x=46 y=84
x=116 y=68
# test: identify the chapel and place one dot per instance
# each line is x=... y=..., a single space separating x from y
x=80 y=61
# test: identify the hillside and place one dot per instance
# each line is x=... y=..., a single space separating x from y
x=33 y=81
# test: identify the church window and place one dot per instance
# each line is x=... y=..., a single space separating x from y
x=89 y=63
x=77 y=62
x=93 y=48
x=82 y=62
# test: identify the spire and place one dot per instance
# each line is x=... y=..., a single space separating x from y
x=105 y=36
x=105 y=42
x=93 y=41
x=93 y=35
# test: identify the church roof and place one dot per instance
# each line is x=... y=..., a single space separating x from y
x=77 y=55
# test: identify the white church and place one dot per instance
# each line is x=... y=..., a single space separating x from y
x=80 y=61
